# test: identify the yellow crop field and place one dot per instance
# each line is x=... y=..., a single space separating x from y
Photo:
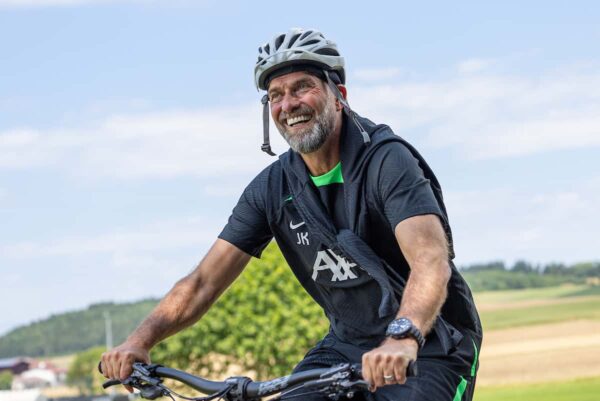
x=536 y=340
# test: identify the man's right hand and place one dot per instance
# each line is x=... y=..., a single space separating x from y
x=116 y=363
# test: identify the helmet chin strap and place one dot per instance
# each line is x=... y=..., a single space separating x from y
x=266 y=146
x=347 y=109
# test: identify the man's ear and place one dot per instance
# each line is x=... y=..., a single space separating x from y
x=344 y=93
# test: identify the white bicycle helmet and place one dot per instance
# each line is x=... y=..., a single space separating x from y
x=299 y=50
x=297 y=47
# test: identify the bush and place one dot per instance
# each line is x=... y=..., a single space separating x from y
x=6 y=378
x=83 y=372
x=265 y=323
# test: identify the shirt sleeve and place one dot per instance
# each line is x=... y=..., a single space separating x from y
x=248 y=226
x=403 y=189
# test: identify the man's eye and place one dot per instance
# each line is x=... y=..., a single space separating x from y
x=303 y=86
x=274 y=97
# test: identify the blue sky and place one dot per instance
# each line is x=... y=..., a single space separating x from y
x=128 y=130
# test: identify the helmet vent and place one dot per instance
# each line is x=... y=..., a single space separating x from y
x=311 y=42
x=267 y=48
x=279 y=41
x=327 y=52
x=305 y=34
x=293 y=40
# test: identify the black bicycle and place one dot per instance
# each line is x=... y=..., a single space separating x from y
x=334 y=383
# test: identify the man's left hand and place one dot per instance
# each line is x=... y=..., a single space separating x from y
x=387 y=363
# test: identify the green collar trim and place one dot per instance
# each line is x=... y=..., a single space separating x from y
x=333 y=176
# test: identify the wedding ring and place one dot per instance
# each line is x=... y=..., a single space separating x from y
x=388 y=378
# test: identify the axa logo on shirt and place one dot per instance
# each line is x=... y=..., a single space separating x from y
x=341 y=269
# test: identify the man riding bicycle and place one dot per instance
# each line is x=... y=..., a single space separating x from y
x=359 y=216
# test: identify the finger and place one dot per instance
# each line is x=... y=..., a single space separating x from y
x=389 y=378
x=367 y=371
x=378 y=372
x=400 y=370
x=107 y=367
x=125 y=369
x=103 y=367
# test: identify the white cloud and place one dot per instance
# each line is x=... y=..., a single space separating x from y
x=164 y=144
x=508 y=224
x=491 y=116
x=162 y=236
x=474 y=65
x=477 y=116
x=127 y=264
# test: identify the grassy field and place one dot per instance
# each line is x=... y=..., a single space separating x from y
x=585 y=308
x=540 y=344
x=576 y=390
x=515 y=308
x=509 y=296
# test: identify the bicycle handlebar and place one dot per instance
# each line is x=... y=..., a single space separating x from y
x=341 y=379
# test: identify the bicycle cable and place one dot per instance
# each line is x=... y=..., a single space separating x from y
x=217 y=395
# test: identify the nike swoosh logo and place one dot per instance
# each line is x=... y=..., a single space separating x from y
x=295 y=226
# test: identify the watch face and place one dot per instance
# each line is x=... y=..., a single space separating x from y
x=399 y=327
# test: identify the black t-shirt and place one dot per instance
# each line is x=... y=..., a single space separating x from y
x=397 y=191
x=401 y=191
x=331 y=192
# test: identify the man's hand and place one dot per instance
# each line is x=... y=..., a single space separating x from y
x=116 y=363
x=389 y=360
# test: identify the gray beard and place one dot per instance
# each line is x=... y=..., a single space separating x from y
x=312 y=138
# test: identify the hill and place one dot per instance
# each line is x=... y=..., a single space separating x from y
x=74 y=331
x=79 y=330
x=496 y=276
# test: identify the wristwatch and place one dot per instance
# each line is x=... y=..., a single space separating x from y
x=403 y=328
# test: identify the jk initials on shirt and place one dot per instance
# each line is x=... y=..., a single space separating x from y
x=340 y=267
x=302 y=238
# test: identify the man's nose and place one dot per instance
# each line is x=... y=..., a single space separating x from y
x=289 y=103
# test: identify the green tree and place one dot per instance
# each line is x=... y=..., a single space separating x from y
x=265 y=323
x=83 y=372
x=6 y=378
x=523 y=267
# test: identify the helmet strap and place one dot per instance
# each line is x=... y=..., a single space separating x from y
x=347 y=109
x=266 y=146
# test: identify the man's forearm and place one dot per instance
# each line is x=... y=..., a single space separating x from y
x=187 y=301
x=425 y=293
x=424 y=245
x=192 y=296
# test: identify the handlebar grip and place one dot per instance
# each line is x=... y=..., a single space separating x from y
x=112 y=382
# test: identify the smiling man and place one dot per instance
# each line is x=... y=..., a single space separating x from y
x=360 y=219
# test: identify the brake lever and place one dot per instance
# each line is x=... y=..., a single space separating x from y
x=151 y=392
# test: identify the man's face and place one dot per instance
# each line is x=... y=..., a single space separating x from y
x=303 y=109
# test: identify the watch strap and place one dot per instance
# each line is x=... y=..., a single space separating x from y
x=412 y=332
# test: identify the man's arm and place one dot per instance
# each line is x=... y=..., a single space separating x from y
x=185 y=303
x=424 y=245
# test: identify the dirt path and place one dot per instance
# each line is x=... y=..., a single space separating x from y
x=558 y=351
